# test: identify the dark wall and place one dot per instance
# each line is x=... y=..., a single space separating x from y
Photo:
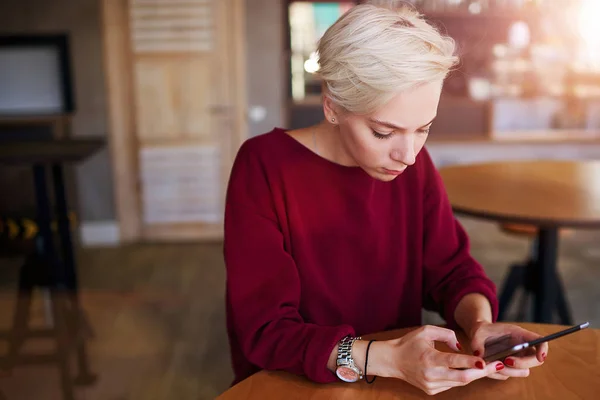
x=265 y=62
x=81 y=19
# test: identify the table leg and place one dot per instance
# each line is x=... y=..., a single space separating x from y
x=64 y=229
x=564 y=312
x=58 y=276
x=80 y=323
x=546 y=287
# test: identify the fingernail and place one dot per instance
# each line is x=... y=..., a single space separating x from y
x=499 y=367
x=479 y=364
x=510 y=362
x=458 y=346
x=543 y=356
x=476 y=353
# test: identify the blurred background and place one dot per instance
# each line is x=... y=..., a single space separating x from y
x=136 y=110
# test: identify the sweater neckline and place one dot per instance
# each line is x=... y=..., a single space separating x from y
x=317 y=157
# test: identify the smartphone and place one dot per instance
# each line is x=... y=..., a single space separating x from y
x=502 y=347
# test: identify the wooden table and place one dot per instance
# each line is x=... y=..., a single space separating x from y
x=45 y=268
x=547 y=194
x=572 y=371
x=50 y=156
x=29 y=152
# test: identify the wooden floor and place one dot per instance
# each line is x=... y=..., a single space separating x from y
x=158 y=314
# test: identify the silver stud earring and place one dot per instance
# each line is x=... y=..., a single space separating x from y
x=332 y=119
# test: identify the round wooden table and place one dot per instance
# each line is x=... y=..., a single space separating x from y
x=547 y=194
x=571 y=371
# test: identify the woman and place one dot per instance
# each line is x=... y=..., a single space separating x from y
x=344 y=228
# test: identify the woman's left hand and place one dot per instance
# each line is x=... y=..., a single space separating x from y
x=516 y=366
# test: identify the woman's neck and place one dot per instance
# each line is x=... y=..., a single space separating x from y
x=329 y=144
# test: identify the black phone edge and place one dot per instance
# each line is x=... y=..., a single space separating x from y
x=556 y=335
x=535 y=342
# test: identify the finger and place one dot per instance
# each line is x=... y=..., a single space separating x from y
x=442 y=384
x=525 y=335
x=515 y=372
x=542 y=352
x=463 y=377
x=437 y=334
x=523 y=362
x=499 y=376
x=450 y=360
x=478 y=345
x=437 y=387
x=434 y=391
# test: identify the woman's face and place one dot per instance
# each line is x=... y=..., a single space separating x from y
x=387 y=141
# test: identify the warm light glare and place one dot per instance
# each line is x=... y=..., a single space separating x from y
x=312 y=64
x=519 y=35
x=588 y=19
x=589 y=29
x=475 y=8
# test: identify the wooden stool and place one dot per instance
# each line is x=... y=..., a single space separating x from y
x=523 y=275
x=46 y=270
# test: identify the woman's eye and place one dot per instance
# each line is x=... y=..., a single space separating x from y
x=381 y=135
x=425 y=131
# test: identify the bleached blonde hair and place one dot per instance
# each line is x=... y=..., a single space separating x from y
x=379 y=49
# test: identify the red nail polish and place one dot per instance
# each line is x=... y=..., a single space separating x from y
x=479 y=364
x=510 y=362
x=458 y=346
x=476 y=353
x=499 y=367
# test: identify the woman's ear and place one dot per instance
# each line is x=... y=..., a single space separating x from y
x=330 y=110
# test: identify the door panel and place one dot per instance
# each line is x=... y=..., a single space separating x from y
x=173 y=98
x=185 y=115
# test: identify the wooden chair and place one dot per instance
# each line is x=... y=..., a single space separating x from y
x=522 y=275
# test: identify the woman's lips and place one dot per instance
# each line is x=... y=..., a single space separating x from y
x=393 y=171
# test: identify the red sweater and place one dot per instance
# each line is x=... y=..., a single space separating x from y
x=316 y=251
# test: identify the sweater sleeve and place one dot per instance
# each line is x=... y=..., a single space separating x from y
x=450 y=272
x=263 y=286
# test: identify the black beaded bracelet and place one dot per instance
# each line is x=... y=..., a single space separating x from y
x=367 y=363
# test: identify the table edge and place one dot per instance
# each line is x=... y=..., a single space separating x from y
x=536 y=221
x=404 y=331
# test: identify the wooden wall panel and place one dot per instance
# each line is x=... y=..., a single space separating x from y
x=121 y=121
x=172 y=26
x=181 y=184
x=173 y=97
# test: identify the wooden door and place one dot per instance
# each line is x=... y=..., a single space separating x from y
x=177 y=103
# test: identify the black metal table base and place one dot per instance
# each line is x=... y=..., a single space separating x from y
x=46 y=270
x=539 y=277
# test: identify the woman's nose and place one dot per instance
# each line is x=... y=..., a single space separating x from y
x=404 y=150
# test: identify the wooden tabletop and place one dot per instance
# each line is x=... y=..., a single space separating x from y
x=47 y=151
x=572 y=371
x=544 y=193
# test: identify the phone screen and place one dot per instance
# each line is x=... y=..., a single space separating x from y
x=498 y=346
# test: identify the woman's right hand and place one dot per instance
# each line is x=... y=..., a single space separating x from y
x=414 y=359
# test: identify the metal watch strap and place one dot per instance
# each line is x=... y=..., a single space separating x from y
x=345 y=352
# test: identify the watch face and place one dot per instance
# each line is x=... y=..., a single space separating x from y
x=346 y=374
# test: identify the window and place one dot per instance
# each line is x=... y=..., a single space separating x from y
x=308 y=21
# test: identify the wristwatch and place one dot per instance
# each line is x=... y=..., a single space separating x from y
x=346 y=370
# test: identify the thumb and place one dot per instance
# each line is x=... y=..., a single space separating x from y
x=478 y=345
x=437 y=334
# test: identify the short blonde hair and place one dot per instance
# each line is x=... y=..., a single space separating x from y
x=377 y=50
